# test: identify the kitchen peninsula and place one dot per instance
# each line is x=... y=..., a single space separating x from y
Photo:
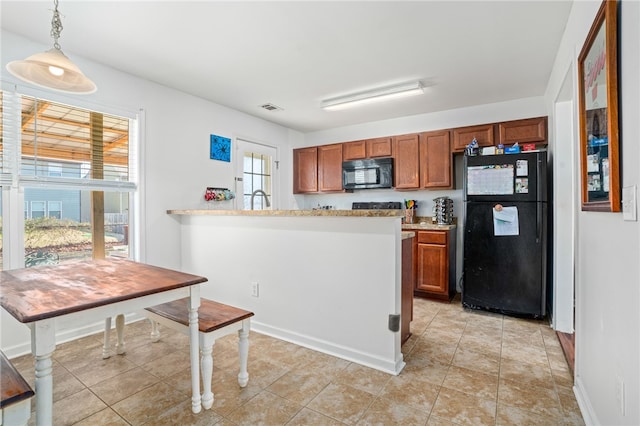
x=328 y=280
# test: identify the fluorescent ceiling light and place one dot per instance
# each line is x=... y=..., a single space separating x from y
x=52 y=69
x=375 y=95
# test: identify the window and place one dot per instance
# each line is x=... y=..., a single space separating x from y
x=256 y=163
x=257 y=176
x=54 y=209
x=55 y=169
x=75 y=170
x=37 y=209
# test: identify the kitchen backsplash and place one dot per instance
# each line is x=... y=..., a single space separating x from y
x=343 y=201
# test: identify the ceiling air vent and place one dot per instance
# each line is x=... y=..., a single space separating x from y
x=271 y=107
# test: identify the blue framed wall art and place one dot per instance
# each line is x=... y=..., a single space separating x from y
x=220 y=148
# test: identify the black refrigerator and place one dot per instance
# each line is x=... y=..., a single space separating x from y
x=505 y=233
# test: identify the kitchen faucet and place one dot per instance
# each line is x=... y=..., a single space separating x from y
x=264 y=194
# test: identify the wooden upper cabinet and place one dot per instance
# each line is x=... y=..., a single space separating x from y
x=379 y=147
x=407 y=161
x=305 y=170
x=354 y=150
x=531 y=130
x=462 y=136
x=436 y=169
x=330 y=167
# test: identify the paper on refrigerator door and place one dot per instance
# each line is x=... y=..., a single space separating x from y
x=505 y=222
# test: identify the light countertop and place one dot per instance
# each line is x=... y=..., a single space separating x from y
x=422 y=225
x=425 y=223
x=427 y=226
x=327 y=213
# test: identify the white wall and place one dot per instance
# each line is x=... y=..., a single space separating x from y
x=176 y=168
x=608 y=248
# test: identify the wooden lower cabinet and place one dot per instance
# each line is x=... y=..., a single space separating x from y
x=435 y=264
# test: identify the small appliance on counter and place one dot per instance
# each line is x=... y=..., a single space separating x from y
x=443 y=211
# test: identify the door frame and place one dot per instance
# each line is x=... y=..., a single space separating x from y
x=566 y=200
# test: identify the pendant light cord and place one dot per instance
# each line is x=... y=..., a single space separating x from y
x=56 y=26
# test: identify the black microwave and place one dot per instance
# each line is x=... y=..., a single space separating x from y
x=367 y=174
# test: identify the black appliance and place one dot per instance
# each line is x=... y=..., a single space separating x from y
x=367 y=174
x=376 y=205
x=505 y=236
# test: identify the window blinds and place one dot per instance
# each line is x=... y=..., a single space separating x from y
x=66 y=146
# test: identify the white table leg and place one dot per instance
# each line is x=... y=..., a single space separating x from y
x=43 y=344
x=243 y=350
x=206 y=364
x=106 y=350
x=155 y=330
x=120 y=349
x=194 y=303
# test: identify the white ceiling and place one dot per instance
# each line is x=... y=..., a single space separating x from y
x=295 y=54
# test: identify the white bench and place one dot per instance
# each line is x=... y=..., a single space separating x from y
x=215 y=320
x=16 y=394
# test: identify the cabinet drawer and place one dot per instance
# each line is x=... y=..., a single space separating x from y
x=432 y=237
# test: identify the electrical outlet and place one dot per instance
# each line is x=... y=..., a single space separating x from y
x=254 y=289
x=620 y=394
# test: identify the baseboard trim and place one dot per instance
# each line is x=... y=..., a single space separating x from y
x=586 y=409
x=385 y=365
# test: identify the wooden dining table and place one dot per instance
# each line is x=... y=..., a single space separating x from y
x=49 y=299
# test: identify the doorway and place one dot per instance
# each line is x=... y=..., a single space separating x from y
x=565 y=188
x=257 y=174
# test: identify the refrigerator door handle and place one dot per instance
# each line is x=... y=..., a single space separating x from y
x=538 y=222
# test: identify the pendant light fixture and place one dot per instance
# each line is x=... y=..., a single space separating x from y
x=52 y=69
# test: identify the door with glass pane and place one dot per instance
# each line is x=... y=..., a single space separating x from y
x=258 y=165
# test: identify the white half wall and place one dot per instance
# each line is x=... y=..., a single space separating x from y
x=327 y=283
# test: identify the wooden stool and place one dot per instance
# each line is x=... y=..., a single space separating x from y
x=16 y=394
x=215 y=320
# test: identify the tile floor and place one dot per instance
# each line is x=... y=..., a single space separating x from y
x=463 y=368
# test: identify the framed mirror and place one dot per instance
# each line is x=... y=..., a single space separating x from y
x=598 y=108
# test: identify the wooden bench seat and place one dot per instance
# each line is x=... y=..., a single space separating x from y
x=16 y=394
x=215 y=320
